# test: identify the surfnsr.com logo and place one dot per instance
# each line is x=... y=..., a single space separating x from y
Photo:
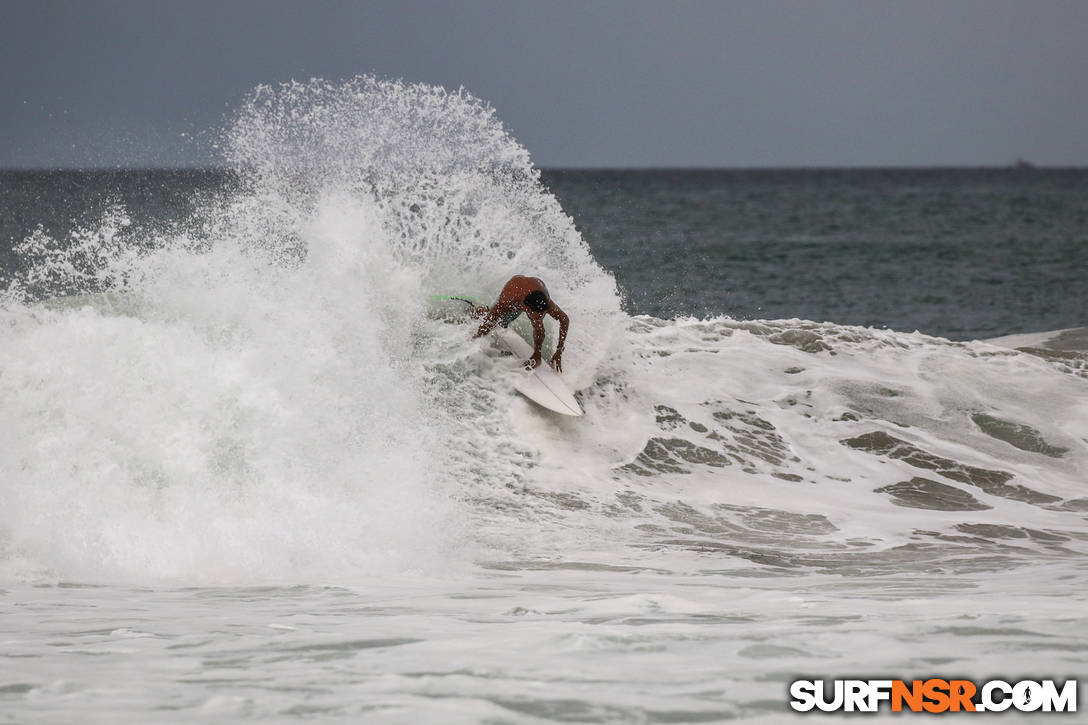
x=933 y=695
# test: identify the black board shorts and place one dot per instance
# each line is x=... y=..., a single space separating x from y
x=509 y=317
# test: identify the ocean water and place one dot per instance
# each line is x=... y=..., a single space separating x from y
x=251 y=471
x=957 y=253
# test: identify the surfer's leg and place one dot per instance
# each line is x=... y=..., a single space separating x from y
x=504 y=322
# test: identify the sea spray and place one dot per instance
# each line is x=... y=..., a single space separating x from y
x=242 y=398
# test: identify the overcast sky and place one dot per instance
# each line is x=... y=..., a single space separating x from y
x=598 y=83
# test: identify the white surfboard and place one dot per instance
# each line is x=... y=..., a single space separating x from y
x=543 y=385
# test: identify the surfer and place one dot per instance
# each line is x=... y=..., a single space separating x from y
x=528 y=295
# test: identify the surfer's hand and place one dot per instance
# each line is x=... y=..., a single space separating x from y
x=532 y=362
x=557 y=361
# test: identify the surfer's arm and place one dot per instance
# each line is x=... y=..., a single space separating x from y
x=538 y=340
x=564 y=323
x=488 y=324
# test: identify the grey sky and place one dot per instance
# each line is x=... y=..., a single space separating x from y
x=601 y=83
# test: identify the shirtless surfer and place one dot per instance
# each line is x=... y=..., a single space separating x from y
x=528 y=295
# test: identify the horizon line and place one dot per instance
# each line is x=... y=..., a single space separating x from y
x=1015 y=166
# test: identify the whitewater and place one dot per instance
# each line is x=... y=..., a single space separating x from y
x=252 y=471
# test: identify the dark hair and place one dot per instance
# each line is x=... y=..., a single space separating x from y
x=537 y=301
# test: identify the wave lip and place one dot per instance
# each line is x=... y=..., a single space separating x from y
x=241 y=396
